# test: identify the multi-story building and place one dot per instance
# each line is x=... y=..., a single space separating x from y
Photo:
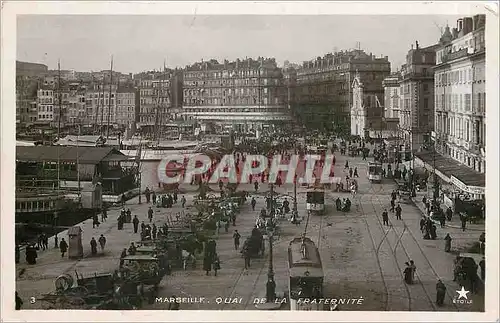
x=460 y=94
x=125 y=106
x=416 y=112
x=323 y=92
x=154 y=101
x=28 y=76
x=101 y=105
x=26 y=100
x=46 y=105
x=391 y=95
x=367 y=111
x=245 y=95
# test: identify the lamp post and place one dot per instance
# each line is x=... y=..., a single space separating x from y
x=295 y=211
x=271 y=284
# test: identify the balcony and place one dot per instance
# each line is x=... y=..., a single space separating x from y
x=455 y=55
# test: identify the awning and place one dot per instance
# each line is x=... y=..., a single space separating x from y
x=463 y=177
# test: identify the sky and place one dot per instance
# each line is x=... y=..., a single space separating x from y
x=140 y=43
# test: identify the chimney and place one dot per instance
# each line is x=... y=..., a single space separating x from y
x=460 y=24
x=416 y=44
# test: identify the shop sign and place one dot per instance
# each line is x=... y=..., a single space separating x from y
x=469 y=189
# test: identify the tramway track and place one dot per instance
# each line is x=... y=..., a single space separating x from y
x=387 y=295
x=410 y=292
x=433 y=271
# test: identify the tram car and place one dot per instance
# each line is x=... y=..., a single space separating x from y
x=375 y=172
x=315 y=201
x=305 y=275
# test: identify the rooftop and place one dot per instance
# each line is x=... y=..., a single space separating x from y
x=84 y=155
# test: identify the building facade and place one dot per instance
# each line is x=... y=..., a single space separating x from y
x=392 y=96
x=28 y=79
x=416 y=112
x=155 y=100
x=114 y=105
x=46 y=104
x=366 y=110
x=323 y=94
x=460 y=94
x=244 y=95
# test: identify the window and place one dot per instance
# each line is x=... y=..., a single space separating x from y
x=426 y=87
x=426 y=104
x=467 y=102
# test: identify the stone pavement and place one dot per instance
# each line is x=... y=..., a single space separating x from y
x=38 y=279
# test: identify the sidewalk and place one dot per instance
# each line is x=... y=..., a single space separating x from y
x=38 y=279
x=455 y=221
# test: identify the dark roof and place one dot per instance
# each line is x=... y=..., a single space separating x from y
x=86 y=155
x=451 y=167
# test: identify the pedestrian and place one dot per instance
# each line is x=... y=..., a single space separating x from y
x=246 y=256
x=226 y=226
x=350 y=172
x=256 y=185
x=385 y=217
x=398 y=212
x=447 y=243
x=174 y=306
x=128 y=216
x=433 y=232
x=482 y=243
x=102 y=242
x=442 y=219
x=39 y=243
x=154 y=231
x=19 y=302
x=175 y=197
x=482 y=265
x=135 y=222
x=346 y=165
x=216 y=264
x=413 y=270
x=63 y=247
x=147 y=193
x=124 y=199
x=143 y=226
x=45 y=241
x=407 y=273
x=150 y=214
x=253 y=203
x=132 y=249
x=93 y=246
x=123 y=255
x=393 y=204
x=449 y=214
x=104 y=215
x=356 y=172
x=207 y=264
x=95 y=221
x=183 y=201
x=440 y=293
x=56 y=242
x=236 y=238
x=153 y=196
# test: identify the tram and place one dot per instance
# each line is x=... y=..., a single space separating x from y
x=375 y=172
x=305 y=275
x=315 y=201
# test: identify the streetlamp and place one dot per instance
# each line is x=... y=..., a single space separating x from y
x=271 y=284
x=295 y=213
